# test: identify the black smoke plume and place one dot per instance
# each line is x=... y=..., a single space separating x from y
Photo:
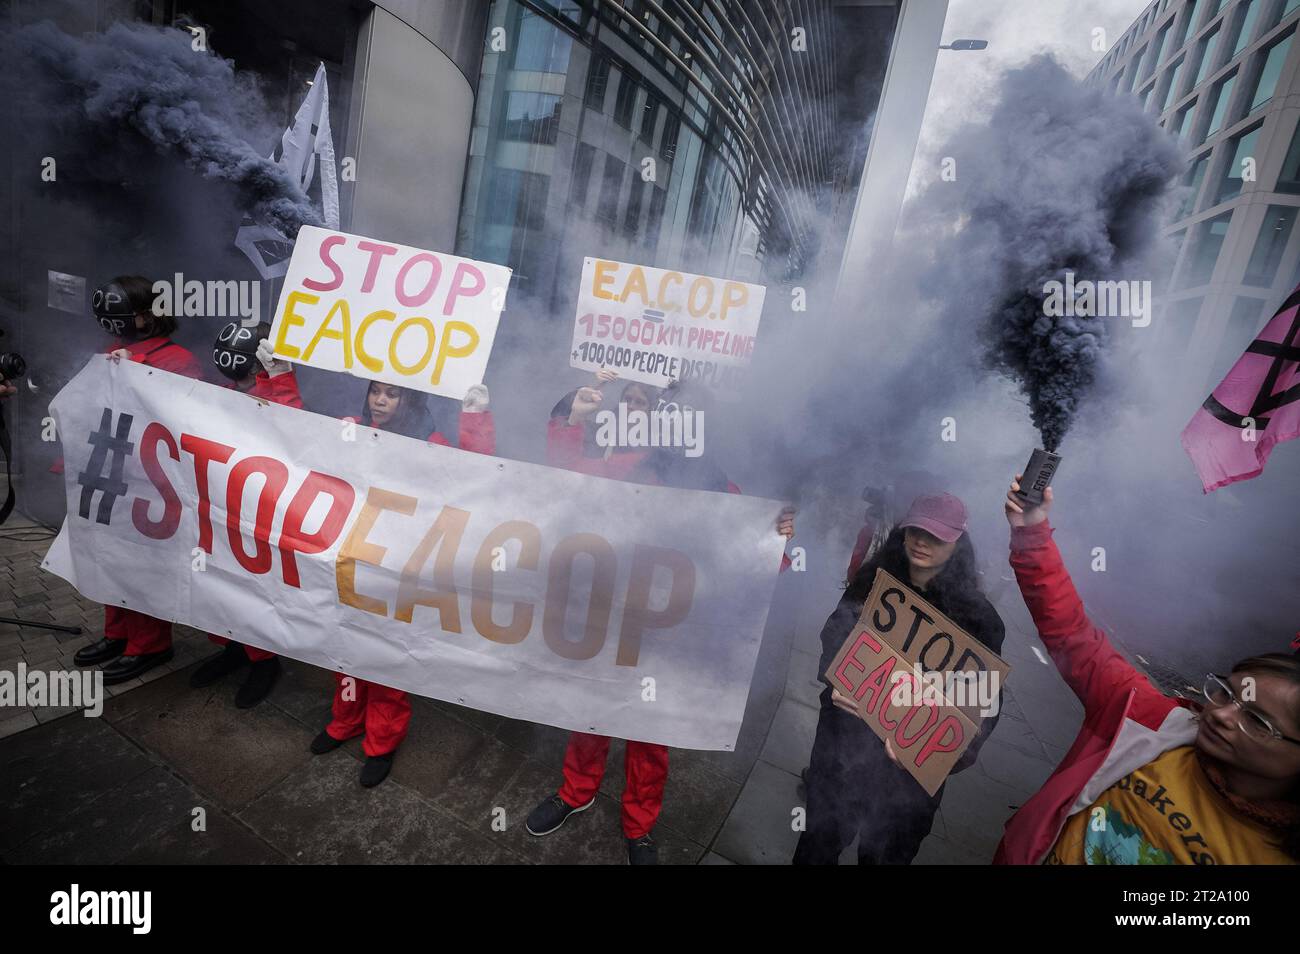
x=106 y=101
x=1063 y=177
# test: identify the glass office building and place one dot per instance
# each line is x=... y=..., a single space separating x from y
x=1220 y=76
x=667 y=133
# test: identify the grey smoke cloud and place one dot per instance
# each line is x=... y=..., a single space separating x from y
x=1062 y=177
x=101 y=100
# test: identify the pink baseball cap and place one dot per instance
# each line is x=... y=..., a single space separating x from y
x=940 y=514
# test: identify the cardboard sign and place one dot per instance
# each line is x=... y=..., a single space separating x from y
x=928 y=724
x=389 y=312
x=657 y=326
x=921 y=634
x=927 y=738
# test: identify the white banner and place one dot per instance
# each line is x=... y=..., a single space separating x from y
x=519 y=589
x=389 y=312
x=657 y=326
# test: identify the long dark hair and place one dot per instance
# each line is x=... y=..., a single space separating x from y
x=954 y=590
x=1288 y=667
x=412 y=418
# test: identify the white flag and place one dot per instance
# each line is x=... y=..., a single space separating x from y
x=308 y=139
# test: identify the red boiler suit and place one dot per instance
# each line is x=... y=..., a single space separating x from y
x=145 y=634
x=281 y=389
x=381 y=712
x=645 y=764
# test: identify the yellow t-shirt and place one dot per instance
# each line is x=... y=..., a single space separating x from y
x=1165 y=813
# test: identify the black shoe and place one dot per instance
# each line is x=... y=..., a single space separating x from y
x=642 y=851
x=551 y=814
x=376 y=769
x=102 y=650
x=324 y=743
x=232 y=657
x=259 y=682
x=125 y=668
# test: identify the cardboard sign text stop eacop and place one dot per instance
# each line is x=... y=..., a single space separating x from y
x=407 y=316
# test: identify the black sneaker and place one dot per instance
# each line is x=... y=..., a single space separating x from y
x=102 y=650
x=125 y=668
x=376 y=769
x=261 y=677
x=642 y=851
x=551 y=814
x=220 y=666
x=324 y=743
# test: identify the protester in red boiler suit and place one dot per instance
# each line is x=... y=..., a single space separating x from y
x=381 y=713
x=134 y=642
x=244 y=355
x=645 y=764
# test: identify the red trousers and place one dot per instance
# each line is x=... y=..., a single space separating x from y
x=646 y=768
x=383 y=714
x=254 y=654
x=143 y=634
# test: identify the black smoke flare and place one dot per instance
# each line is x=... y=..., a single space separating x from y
x=100 y=103
x=1064 y=177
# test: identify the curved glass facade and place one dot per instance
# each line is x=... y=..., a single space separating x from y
x=691 y=134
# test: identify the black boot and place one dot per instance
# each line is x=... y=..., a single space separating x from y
x=259 y=682
x=219 y=666
x=125 y=668
x=376 y=769
x=642 y=851
x=324 y=743
x=102 y=650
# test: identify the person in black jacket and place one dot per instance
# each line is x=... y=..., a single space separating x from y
x=855 y=788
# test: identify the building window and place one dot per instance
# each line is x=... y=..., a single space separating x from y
x=1172 y=89
x=1179 y=126
x=1274 y=59
x=583 y=158
x=531 y=117
x=1192 y=183
x=1273 y=236
x=1188 y=19
x=1134 y=69
x=597 y=80
x=1205 y=253
x=611 y=187
x=1207 y=48
x=1220 y=97
x=1179 y=321
x=1288 y=180
x=672 y=129
x=649 y=116
x=625 y=102
x=632 y=216
x=1157 y=49
x=1246 y=25
x=518 y=199
x=1243 y=325
x=1242 y=150
x=654 y=219
x=540 y=46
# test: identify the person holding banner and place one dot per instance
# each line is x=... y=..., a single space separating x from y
x=1152 y=779
x=855 y=788
x=237 y=351
x=380 y=713
x=134 y=643
x=645 y=764
x=568 y=442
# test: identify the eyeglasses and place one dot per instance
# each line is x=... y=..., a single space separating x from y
x=1218 y=693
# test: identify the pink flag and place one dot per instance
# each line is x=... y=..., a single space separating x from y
x=1255 y=407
